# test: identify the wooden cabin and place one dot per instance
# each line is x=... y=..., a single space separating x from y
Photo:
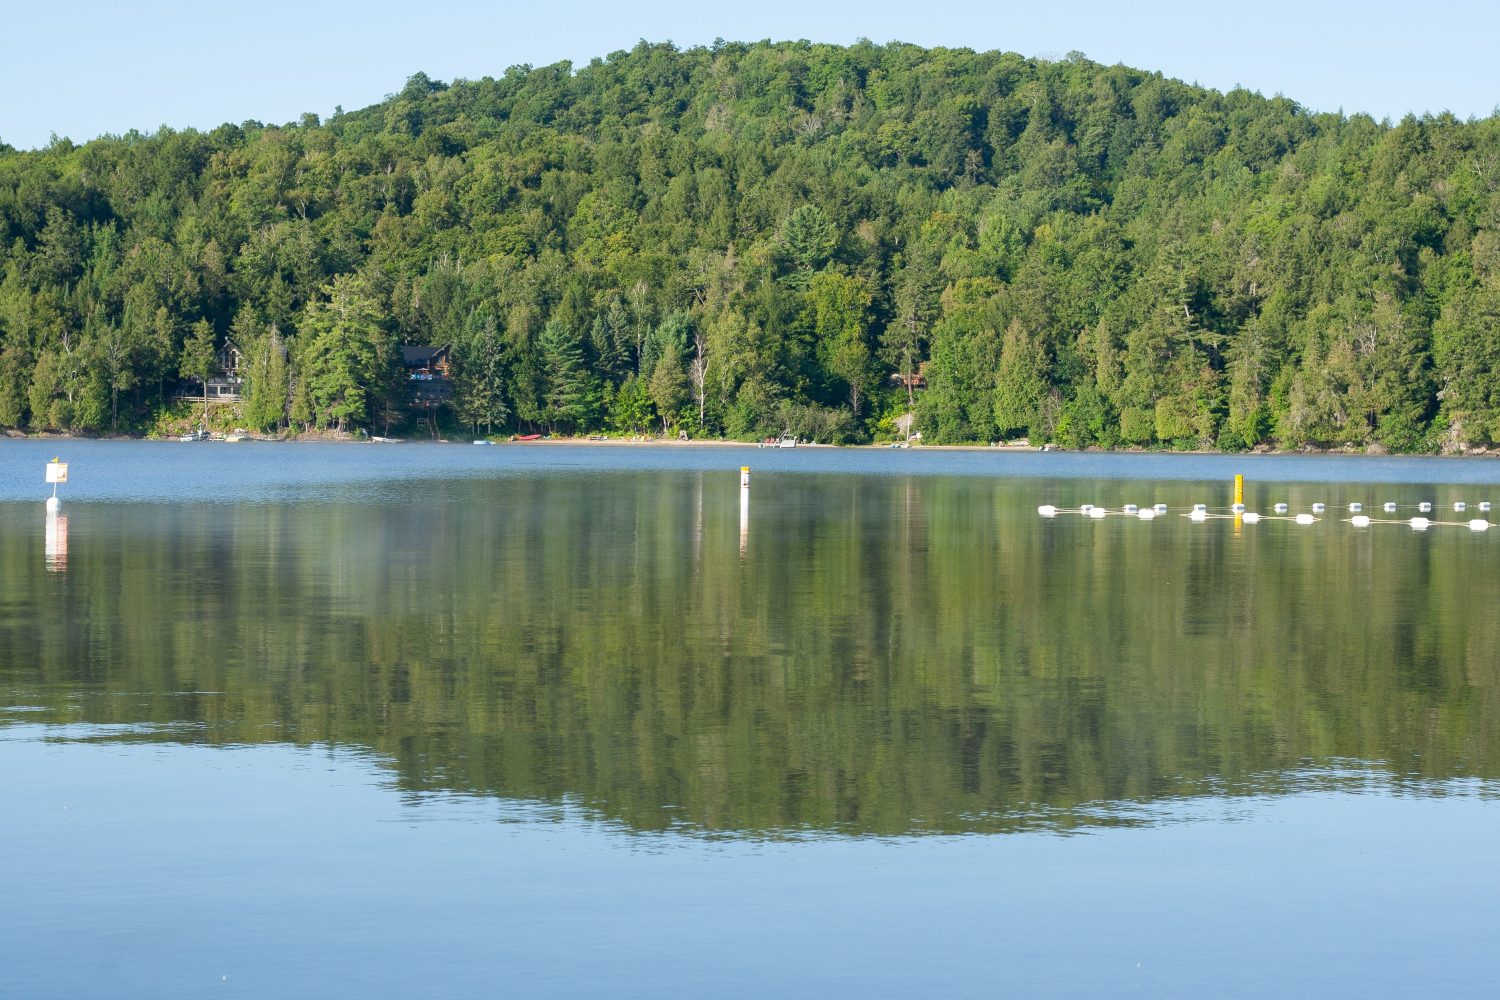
x=427 y=371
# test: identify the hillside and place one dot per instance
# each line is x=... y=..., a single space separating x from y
x=751 y=238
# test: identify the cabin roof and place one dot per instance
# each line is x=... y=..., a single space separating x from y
x=415 y=356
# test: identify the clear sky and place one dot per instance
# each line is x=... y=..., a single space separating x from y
x=87 y=67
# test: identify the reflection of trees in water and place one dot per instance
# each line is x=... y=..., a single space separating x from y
x=893 y=655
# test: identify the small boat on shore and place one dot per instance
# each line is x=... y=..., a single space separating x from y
x=384 y=440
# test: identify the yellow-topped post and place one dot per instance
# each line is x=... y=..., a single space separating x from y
x=1239 y=489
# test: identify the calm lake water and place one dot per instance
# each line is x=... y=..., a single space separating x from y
x=364 y=720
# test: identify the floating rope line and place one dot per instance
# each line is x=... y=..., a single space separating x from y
x=1240 y=514
x=1201 y=512
x=1421 y=523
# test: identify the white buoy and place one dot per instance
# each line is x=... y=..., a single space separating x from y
x=1319 y=508
x=1200 y=508
x=1047 y=510
x=1479 y=524
x=1306 y=519
x=1238 y=508
x=1389 y=508
x=1280 y=508
x=1355 y=508
x=1252 y=518
x=53 y=505
x=1130 y=508
x=1420 y=523
x=1146 y=513
x=1160 y=508
x=1425 y=507
x=1484 y=505
x=1360 y=520
x=1098 y=513
x=1459 y=506
x=1198 y=514
x=1085 y=508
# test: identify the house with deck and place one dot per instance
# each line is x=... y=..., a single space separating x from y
x=427 y=375
x=226 y=385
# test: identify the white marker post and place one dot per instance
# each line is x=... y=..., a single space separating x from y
x=744 y=509
x=57 y=472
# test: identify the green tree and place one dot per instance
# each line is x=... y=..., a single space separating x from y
x=1021 y=386
x=841 y=309
x=569 y=400
x=267 y=379
x=809 y=239
x=198 y=358
x=1466 y=347
x=479 y=375
x=630 y=411
x=345 y=355
x=668 y=390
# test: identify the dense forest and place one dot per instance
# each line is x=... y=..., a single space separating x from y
x=749 y=239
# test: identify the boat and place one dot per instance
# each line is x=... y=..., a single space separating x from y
x=199 y=435
x=484 y=442
x=786 y=441
x=528 y=437
x=385 y=440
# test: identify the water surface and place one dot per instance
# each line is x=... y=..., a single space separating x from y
x=418 y=719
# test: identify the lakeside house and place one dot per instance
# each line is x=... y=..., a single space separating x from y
x=226 y=385
x=427 y=375
x=916 y=380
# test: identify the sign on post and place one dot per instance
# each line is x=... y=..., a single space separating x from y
x=57 y=472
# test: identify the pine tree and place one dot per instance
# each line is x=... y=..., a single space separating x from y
x=570 y=396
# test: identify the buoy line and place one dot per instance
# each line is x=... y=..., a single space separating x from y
x=1201 y=512
x=1241 y=514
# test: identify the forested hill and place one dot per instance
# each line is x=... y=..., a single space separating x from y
x=746 y=239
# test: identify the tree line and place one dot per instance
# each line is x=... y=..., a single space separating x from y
x=744 y=239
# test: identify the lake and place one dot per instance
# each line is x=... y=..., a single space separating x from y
x=441 y=720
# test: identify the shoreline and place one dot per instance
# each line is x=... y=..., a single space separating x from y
x=663 y=442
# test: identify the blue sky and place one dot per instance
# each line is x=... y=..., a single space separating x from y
x=94 y=66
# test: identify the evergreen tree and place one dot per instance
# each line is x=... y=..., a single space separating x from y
x=570 y=398
x=345 y=356
x=1021 y=386
x=198 y=358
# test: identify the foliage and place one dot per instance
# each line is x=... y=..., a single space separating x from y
x=1073 y=251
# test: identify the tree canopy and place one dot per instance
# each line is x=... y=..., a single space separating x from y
x=745 y=239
